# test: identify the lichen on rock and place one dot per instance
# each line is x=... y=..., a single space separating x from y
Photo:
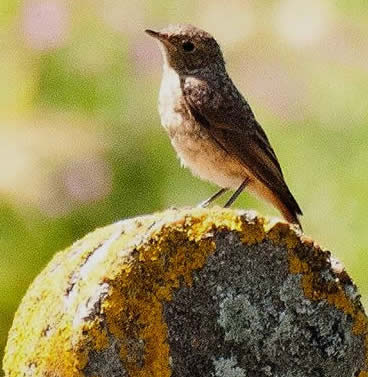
x=191 y=292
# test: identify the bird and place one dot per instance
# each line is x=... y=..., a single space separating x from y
x=211 y=125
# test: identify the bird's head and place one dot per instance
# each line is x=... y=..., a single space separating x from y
x=188 y=49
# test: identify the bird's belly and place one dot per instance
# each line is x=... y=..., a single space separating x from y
x=207 y=160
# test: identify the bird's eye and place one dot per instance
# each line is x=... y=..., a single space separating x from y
x=188 y=46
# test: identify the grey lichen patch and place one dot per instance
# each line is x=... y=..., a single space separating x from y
x=105 y=362
x=328 y=329
x=240 y=319
x=228 y=368
x=249 y=313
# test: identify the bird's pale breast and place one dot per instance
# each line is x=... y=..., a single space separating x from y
x=192 y=143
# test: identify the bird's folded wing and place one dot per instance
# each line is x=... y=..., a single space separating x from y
x=247 y=142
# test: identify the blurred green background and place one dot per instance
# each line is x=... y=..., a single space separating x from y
x=81 y=144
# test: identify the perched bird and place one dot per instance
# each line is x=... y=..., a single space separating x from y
x=211 y=125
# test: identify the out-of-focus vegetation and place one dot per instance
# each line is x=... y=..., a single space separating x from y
x=81 y=144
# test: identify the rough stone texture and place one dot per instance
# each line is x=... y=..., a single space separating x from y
x=264 y=325
x=191 y=292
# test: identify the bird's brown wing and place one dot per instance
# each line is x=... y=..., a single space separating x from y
x=239 y=134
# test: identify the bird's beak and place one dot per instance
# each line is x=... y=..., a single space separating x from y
x=156 y=35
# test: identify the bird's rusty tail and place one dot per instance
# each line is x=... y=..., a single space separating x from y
x=288 y=206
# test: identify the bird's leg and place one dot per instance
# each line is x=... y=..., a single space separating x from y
x=205 y=203
x=237 y=193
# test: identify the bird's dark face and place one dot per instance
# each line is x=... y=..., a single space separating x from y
x=188 y=49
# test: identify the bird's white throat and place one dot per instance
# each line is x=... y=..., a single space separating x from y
x=169 y=98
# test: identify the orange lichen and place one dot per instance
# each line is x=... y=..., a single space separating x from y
x=282 y=234
x=360 y=324
x=296 y=266
x=98 y=336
